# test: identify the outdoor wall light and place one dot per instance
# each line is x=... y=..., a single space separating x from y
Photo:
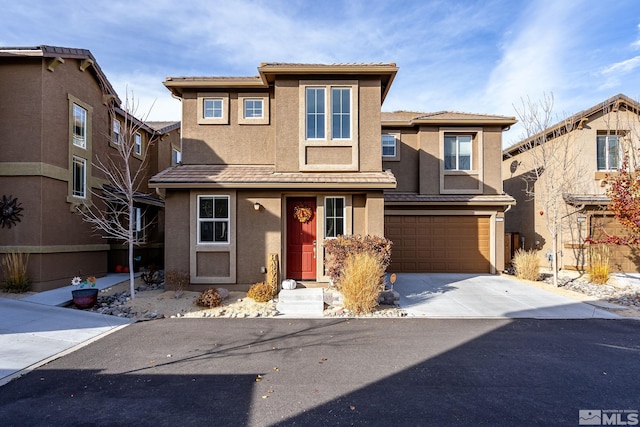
x=257 y=206
x=582 y=219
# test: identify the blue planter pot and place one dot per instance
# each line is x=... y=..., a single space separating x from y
x=85 y=298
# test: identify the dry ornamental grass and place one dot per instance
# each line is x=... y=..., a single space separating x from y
x=362 y=282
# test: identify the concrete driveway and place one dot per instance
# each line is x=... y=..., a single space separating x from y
x=443 y=295
x=32 y=334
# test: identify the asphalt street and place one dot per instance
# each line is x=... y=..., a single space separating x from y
x=320 y=372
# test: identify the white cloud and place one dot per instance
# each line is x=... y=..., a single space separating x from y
x=623 y=67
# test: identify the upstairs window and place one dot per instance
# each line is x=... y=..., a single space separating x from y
x=315 y=112
x=137 y=140
x=213 y=219
x=79 y=126
x=115 y=131
x=79 y=177
x=253 y=109
x=388 y=145
x=212 y=108
x=457 y=152
x=607 y=152
x=340 y=113
x=334 y=217
x=176 y=157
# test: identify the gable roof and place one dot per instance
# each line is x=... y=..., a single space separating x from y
x=45 y=51
x=613 y=104
x=269 y=70
x=412 y=118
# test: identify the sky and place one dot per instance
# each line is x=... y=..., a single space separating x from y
x=477 y=56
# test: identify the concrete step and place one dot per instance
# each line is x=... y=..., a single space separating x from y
x=301 y=302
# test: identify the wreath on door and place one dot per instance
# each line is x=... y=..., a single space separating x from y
x=303 y=213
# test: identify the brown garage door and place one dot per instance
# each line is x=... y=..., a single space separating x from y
x=448 y=244
x=621 y=257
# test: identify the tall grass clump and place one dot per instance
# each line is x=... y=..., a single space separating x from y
x=526 y=264
x=340 y=248
x=599 y=267
x=14 y=268
x=362 y=282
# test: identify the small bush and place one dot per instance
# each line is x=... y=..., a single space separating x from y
x=152 y=275
x=14 y=267
x=362 y=282
x=261 y=292
x=340 y=248
x=526 y=264
x=209 y=298
x=599 y=267
x=176 y=281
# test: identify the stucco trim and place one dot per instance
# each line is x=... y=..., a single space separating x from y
x=264 y=120
x=33 y=169
x=328 y=141
x=224 y=96
x=195 y=247
x=477 y=159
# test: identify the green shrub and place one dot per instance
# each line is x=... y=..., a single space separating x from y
x=338 y=249
x=262 y=292
x=526 y=264
x=599 y=267
x=14 y=267
x=362 y=282
x=209 y=298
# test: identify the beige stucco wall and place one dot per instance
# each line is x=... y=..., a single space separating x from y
x=370 y=133
x=225 y=143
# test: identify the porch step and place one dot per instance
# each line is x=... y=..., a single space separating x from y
x=301 y=302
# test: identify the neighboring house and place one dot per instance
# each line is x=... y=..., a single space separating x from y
x=57 y=118
x=258 y=151
x=596 y=140
x=447 y=212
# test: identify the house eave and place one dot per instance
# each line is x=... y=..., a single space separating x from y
x=273 y=186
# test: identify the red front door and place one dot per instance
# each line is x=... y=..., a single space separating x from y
x=301 y=239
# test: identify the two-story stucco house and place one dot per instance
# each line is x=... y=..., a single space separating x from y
x=58 y=115
x=595 y=141
x=257 y=151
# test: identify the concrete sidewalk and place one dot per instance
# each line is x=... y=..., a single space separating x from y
x=35 y=330
x=441 y=295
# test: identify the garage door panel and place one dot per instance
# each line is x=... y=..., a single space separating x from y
x=439 y=243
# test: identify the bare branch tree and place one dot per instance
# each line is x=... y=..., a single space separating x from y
x=552 y=163
x=124 y=168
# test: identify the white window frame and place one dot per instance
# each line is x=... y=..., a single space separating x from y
x=316 y=114
x=339 y=114
x=137 y=141
x=250 y=112
x=335 y=217
x=176 y=156
x=79 y=114
x=216 y=108
x=79 y=189
x=607 y=153
x=214 y=220
x=115 y=131
x=394 y=145
x=457 y=153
